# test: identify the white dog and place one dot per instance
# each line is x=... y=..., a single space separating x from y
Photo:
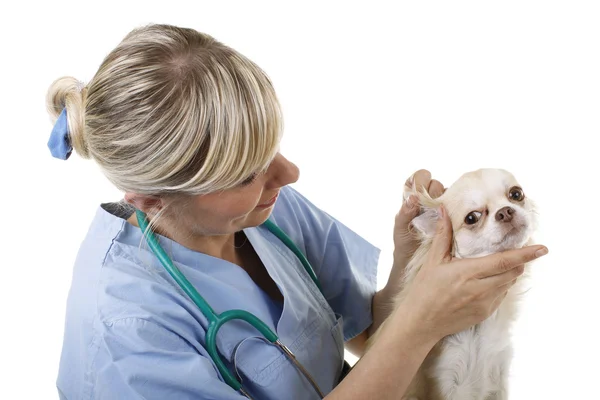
x=489 y=213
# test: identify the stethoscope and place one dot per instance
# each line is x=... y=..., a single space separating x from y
x=216 y=321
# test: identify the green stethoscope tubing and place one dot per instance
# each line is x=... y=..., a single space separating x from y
x=215 y=321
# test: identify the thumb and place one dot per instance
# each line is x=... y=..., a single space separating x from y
x=442 y=241
x=407 y=213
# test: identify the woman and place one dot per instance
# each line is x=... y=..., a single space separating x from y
x=189 y=130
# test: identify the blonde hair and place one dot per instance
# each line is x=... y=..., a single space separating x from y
x=172 y=110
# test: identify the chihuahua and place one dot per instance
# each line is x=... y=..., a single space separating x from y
x=489 y=213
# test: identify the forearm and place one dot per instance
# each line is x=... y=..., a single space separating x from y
x=387 y=369
x=382 y=305
x=381 y=308
x=384 y=299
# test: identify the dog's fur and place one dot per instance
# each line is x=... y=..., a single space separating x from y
x=472 y=364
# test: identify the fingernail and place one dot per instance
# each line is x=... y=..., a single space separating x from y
x=541 y=252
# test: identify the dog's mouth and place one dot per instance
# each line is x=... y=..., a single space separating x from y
x=514 y=231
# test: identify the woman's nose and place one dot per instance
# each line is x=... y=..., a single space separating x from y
x=282 y=172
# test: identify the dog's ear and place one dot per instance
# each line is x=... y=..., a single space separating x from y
x=426 y=222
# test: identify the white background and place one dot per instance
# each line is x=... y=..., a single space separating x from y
x=371 y=93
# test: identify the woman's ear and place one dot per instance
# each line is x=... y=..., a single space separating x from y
x=426 y=222
x=149 y=204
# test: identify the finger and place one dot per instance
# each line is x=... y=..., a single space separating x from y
x=419 y=180
x=441 y=246
x=408 y=211
x=436 y=189
x=504 y=280
x=499 y=263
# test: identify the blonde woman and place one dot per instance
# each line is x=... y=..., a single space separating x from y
x=189 y=130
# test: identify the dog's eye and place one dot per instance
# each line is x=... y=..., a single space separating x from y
x=516 y=194
x=472 y=217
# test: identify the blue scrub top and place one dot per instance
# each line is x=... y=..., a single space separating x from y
x=132 y=333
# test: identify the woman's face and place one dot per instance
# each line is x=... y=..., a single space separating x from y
x=248 y=205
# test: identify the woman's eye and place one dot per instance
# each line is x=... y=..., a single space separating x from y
x=516 y=194
x=249 y=180
x=472 y=217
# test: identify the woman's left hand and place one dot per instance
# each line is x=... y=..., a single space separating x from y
x=405 y=244
x=405 y=241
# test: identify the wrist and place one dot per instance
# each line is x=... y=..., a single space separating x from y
x=382 y=307
x=394 y=282
x=417 y=332
x=400 y=260
x=377 y=375
x=402 y=257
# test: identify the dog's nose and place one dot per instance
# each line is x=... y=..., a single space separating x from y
x=505 y=214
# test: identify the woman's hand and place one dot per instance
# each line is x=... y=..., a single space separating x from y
x=450 y=295
x=405 y=242
x=447 y=296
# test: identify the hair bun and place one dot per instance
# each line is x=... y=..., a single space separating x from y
x=70 y=93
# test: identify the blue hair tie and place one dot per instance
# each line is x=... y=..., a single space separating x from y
x=59 y=143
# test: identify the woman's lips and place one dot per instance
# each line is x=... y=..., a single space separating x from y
x=268 y=203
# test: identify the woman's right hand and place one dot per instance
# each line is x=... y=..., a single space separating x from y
x=449 y=295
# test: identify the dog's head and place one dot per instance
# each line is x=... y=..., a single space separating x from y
x=490 y=212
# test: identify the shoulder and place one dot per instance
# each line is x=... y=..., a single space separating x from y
x=136 y=293
x=116 y=295
x=115 y=275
